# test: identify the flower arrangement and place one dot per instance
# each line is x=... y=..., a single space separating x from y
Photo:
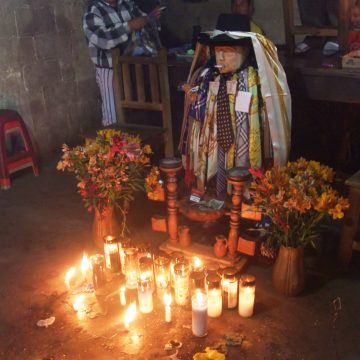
x=297 y=197
x=108 y=168
x=154 y=185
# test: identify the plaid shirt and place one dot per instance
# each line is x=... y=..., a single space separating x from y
x=106 y=27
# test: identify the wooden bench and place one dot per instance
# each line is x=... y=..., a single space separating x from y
x=351 y=221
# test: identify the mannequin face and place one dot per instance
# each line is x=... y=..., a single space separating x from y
x=230 y=58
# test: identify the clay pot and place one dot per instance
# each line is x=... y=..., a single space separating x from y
x=221 y=245
x=289 y=271
x=104 y=224
x=184 y=236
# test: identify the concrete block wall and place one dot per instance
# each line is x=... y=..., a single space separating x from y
x=46 y=73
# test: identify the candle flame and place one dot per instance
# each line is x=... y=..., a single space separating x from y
x=161 y=282
x=145 y=275
x=85 y=263
x=167 y=299
x=130 y=315
x=69 y=275
x=199 y=295
x=197 y=262
x=79 y=303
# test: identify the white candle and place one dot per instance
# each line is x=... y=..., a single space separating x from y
x=122 y=296
x=167 y=301
x=246 y=295
x=246 y=301
x=145 y=295
x=214 y=303
x=199 y=324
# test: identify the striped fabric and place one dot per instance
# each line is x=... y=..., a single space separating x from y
x=106 y=27
x=242 y=127
x=104 y=79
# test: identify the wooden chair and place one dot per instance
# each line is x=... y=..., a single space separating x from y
x=142 y=83
x=291 y=29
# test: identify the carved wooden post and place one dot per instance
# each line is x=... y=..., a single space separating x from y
x=170 y=166
x=238 y=177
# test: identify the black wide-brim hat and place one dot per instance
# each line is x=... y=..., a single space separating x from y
x=225 y=23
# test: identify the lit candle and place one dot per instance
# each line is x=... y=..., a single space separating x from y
x=69 y=276
x=97 y=263
x=230 y=288
x=131 y=268
x=214 y=303
x=197 y=264
x=122 y=296
x=199 y=324
x=181 y=271
x=130 y=315
x=167 y=301
x=213 y=282
x=246 y=295
x=161 y=286
x=111 y=251
x=85 y=266
x=145 y=294
x=78 y=304
x=162 y=275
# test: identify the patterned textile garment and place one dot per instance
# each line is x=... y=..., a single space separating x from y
x=202 y=145
x=104 y=79
x=105 y=28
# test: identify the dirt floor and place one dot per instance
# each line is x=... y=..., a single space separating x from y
x=44 y=230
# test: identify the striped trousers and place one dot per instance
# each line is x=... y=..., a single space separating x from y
x=105 y=80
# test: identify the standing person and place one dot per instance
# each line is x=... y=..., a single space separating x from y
x=318 y=13
x=246 y=7
x=108 y=24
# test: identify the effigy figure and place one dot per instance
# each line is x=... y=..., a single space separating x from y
x=237 y=105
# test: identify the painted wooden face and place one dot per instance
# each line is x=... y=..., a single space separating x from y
x=230 y=58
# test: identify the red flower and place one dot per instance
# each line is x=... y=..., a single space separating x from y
x=256 y=172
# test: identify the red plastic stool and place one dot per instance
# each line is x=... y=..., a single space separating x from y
x=11 y=121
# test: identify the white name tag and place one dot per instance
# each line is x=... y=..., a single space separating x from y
x=231 y=87
x=242 y=102
x=214 y=87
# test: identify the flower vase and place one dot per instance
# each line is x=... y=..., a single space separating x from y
x=105 y=223
x=289 y=271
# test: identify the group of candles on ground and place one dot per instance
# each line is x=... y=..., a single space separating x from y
x=208 y=288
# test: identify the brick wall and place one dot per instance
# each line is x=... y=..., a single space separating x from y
x=46 y=73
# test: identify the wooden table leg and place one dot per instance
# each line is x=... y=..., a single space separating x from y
x=238 y=177
x=170 y=166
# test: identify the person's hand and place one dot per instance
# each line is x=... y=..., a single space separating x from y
x=137 y=23
x=156 y=13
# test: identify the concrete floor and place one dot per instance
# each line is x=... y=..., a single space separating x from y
x=44 y=230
